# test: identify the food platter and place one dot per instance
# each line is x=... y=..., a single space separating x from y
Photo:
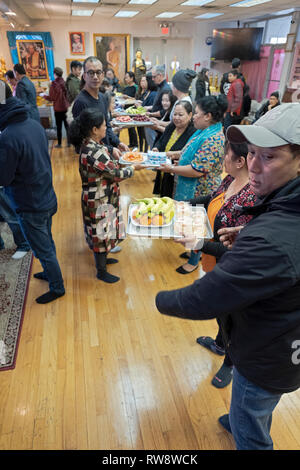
x=128 y=158
x=133 y=120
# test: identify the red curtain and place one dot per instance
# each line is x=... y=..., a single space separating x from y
x=255 y=72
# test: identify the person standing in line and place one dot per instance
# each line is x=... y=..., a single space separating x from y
x=12 y=81
x=73 y=81
x=235 y=100
x=257 y=281
x=25 y=91
x=25 y=168
x=58 y=94
x=202 y=84
x=90 y=97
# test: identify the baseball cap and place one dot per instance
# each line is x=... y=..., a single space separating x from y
x=279 y=126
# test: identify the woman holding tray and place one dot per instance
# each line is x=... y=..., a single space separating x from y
x=174 y=138
x=223 y=208
x=145 y=97
x=100 y=200
x=200 y=163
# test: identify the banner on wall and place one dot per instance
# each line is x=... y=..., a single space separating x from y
x=35 y=51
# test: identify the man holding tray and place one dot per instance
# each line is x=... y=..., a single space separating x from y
x=258 y=281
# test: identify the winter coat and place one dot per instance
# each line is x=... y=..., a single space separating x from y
x=58 y=94
x=72 y=87
x=24 y=159
x=25 y=91
x=258 y=283
x=235 y=97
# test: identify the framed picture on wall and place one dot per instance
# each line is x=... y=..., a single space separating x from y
x=113 y=51
x=77 y=44
x=32 y=56
x=68 y=64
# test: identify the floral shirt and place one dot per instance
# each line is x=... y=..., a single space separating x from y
x=209 y=161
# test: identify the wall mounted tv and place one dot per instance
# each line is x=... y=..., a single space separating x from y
x=243 y=43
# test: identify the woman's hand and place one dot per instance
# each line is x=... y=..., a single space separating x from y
x=166 y=168
x=228 y=235
x=138 y=166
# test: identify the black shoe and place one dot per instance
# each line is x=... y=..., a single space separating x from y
x=42 y=276
x=111 y=260
x=58 y=146
x=185 y=255
x=181 y=270
x=49 y=297
x=107 y=277
x=224 y=421
x=223 y=377
x=210 y=343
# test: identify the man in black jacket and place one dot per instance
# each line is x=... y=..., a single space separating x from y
x=25 y=167
x=90 y=97
x=258 y=281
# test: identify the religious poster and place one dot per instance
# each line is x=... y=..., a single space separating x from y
x=77 y=45
x=32 y=56
x=113 y=51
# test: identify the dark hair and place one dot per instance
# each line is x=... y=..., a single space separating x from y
x=91 y=58
x=109 y=69
x=9 y=74
x=215 y=105
x=238 y=150
x=295 y=149
x=19 y=68
x=58 y=71
x=150 y=84
x=75 y=64
x=186 y=105
x=82 y=126
x=131 y=75
x=202 y=74
x=8 y=92
x=235 y=63
x=109 y=95
x=234 y=72
x=276 y=94
x=172 y=98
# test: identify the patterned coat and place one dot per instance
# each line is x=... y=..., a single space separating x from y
x=100 y=176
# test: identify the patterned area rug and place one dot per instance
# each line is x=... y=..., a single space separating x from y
x=14 y=281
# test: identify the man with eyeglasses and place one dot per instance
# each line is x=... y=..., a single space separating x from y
x=90 y=97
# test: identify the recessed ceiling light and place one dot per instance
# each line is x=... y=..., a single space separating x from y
x=142 y=2
x=196 y=3
x=126 y=13
x=169 y=14
x=249 y=3
x=209 y=15
x=82 y=12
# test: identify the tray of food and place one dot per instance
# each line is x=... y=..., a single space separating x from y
x=122 y=120
x=136 y=110
x=133 y=157
x=191 y=222
x=153 y=212
x=156 y=159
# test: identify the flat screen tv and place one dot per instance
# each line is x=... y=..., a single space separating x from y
x=243 y=43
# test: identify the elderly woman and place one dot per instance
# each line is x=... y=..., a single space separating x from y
x=100 y=176
x=174 y=138
x=200 y=163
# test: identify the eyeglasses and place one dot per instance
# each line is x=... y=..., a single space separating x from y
x=91 y=73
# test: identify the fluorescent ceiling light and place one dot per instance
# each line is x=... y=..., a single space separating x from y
x=142 y=2
x=85 y=1
x=169 y=14
x=249 y=3
x=209 y=15
x=196 y=3
x=126 y=13
x=82 y=12
x=10 y=13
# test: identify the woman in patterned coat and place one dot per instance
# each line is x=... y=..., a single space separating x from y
x=100 y=201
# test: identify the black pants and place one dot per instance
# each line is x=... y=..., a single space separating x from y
x=143 y=145
x=220 y=342
x=133 y=141
x=60 y=118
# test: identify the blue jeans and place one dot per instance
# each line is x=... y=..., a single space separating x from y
x=250 y=414
x=37 y=228
x=195 y=257
x=10 y=217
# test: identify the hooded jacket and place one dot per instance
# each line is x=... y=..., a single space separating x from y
x=235 y=97
x=73 y=87
x=58 y=94
x=258 y=284
x=24 y=159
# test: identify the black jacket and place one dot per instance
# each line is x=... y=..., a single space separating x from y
x=201 y=89
x=258 y=283
x=24 y=159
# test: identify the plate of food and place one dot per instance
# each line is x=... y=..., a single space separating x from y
x=133 y=157
x=152 y=212
x=123 y=120
x=191 y=222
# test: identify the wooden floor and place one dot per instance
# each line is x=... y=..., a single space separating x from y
x=100 y=368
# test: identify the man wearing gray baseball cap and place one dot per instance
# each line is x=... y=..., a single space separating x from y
x=255 y=288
